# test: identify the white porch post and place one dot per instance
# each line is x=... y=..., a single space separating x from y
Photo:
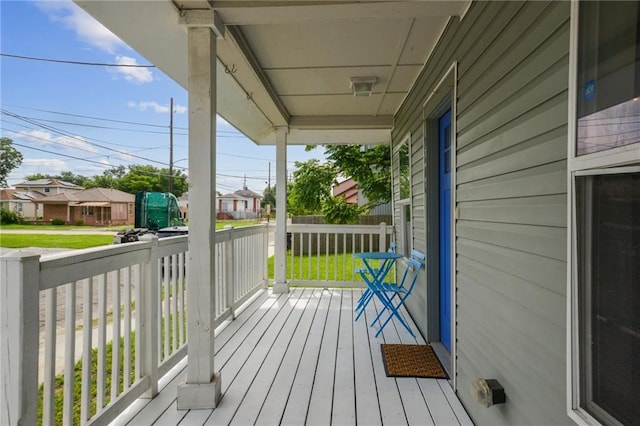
x=202 y=388
x=281 y=285
x=19 y=297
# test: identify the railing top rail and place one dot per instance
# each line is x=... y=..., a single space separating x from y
x=337 y=229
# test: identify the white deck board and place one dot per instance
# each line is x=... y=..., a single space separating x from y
x=301 y=359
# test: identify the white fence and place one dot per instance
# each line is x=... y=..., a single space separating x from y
x=322 y=255
x=130 y=295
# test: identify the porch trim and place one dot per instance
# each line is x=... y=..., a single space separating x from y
x=445 y=91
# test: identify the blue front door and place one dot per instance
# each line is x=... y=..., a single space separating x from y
x=444 y=141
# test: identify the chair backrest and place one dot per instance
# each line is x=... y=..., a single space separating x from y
x=415 y=254
x=392 y=247
x=415 y=263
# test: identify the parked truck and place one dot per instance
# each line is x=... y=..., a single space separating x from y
x=156 y=213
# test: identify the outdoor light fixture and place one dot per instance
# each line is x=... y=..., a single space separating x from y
x=488 y=392
x=362 y=86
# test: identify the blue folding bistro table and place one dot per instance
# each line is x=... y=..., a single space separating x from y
x=387 y=292
x=374 y=274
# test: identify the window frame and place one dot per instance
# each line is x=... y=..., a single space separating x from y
x=404 y=235
x=619 y=160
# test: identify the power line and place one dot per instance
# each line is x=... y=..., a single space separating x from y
x=229 y=132
x=61 y=61
x=53 y=129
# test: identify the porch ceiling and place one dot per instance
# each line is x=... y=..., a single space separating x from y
x=289 y=63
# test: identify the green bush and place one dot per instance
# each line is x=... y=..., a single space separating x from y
x=7 y=217
x=57 y=221
x=79 y=222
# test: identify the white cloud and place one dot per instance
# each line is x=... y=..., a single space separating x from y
x=92 y=169
x=87 y=29
x=43 y=137
x=156 y=107
x=50 y=166
x=137 y=75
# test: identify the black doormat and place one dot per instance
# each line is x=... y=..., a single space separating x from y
x=411 y=361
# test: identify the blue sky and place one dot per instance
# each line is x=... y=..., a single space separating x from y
x=86 y=119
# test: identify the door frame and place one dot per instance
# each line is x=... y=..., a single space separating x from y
x=442 y=97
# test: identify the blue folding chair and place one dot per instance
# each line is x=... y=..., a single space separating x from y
x=368 y=279
x=394 y=295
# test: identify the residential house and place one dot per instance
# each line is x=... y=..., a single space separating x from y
x=348 y=189
x=48 y=186
x=241 y=204
x=21 y=202
x=94 y=206
x=516 y=168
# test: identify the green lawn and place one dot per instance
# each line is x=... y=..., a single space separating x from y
x=220 y=224
x=340 y=267
x=15 y=226
x=54 y=241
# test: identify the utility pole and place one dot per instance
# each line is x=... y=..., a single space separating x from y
x=171 y=146
x=270 y=194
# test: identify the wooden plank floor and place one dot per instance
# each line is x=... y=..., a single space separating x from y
x=301 y=359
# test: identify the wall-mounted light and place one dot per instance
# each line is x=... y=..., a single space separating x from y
x=362 y=86
x=488 y=392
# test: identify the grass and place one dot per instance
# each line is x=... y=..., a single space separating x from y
x=220 y=224
x=77 y=388
x=54 y=241
x=15 y=226
x=340 y=267
x=59 y=383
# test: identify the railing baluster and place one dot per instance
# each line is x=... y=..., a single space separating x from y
x=180 y=299
x=326 y=257
x=48 y=404
x=335 y=256
x=229 y=280
x=166 y=315
x=69 y=352
x=102 y=341
x=127 y=330
x=174 y=299
x=139 y=312
x=115 y=341
x=87 y=332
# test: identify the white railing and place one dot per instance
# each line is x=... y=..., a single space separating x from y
x=59 y=313
x=322 y=255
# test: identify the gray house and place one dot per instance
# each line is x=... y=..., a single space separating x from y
x=516 y=161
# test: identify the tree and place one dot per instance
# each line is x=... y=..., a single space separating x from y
x=109 y=178
x=64 y=176
x=370 y=168
x=312 y=182
x=150 y=178
x=10 y=158
x=337 y=210
x=268 y=197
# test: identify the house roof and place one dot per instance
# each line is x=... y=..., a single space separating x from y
x=290 y=62
x=91 y=195
x=241 y=193
x=8 y=194
x=48 y=182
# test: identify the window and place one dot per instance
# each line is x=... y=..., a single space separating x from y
x=608 y=235
x=604 y=162
x=87 y=211
x=403 y=184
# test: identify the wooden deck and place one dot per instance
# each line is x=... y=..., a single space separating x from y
x=301 y=359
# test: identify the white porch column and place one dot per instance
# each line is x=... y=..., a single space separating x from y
x=19 y=296
x=202 y=389
x=280 y=285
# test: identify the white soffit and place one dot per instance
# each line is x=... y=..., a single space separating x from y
x=290 y=62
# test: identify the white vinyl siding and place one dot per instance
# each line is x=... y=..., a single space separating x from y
x=511 y=162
